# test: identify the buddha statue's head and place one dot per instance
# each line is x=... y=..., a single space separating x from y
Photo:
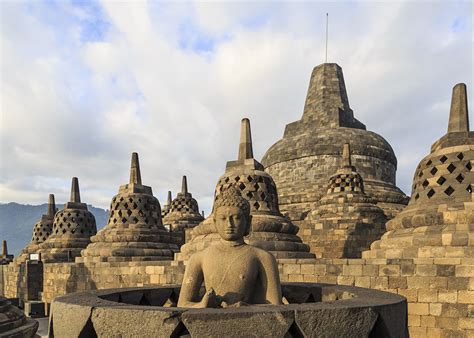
x=232 y=215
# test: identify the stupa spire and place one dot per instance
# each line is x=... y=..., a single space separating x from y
x=51 y=206
x=169 y=198
x=184 y=185
x=346 y=155
x=75 y=195
x=135 y=175
x=245 y=146
x=459 y=116
x=4 y=249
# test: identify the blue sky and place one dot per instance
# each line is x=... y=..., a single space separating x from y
x=85 y=83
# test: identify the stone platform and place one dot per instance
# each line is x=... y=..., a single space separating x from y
x=311 y=309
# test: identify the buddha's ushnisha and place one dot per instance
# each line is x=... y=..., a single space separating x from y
x=233 y=272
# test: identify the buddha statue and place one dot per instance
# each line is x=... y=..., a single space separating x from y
x=234 y=273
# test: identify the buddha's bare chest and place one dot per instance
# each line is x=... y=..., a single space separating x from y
x=233 y=272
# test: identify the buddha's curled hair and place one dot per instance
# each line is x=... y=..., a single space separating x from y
x=231 y=197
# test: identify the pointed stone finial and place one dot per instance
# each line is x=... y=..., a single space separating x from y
x=245 y=146
x=135 y=175
x=202 y=213
x=346 y=155
x=169 y=198
x=51 y=206
x=184 y=185
x=4 y=249
x=75 y=196
x=458 y=116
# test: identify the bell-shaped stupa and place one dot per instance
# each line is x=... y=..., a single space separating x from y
x=41 y=231
x=311 y=147
x=439 y=220
x=14 y=323
x=134 y=231
x=183 y=212
x=346 y=220
x=270 y=229
x=72 y=228
x=166 y=207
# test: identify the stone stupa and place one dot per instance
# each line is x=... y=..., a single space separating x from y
x=41 y=231
x=439 y=220
x=346 y=220
x=166 y=207
x=270 y=231
x=134 y=231
x=183 y=211
x=72 y=228
x=14 y=323
x=311 y=148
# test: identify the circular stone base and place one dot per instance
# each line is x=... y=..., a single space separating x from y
x=310 y=310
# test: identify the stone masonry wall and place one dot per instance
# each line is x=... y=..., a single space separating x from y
x=440 y=292
x=63 y=278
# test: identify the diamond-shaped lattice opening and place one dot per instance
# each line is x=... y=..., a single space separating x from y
x=429 y=163
x=449 y=191
x=451 y=168
x=460 y=156
x=135 y=205
x=417 y=196
x=460 y=178
x=236 y=178
x=433 y=171
x=256 y=205
x=294 y=331
x=469 y=166
x=430 y=193
x=443 y=159
x=129 y=212
x=469 y=188
x=242 y=186
x=441 y=180
x=425 y=183
x=250 y=194
x=249 y=178
x=126 y=205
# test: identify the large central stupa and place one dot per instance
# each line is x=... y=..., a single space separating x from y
x=310 y=150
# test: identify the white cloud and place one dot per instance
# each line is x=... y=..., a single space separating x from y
x=172 y=81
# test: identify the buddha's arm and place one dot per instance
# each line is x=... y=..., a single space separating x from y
x=271 y=276
x=192 y=281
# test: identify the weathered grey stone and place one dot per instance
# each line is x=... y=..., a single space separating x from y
x=134 y=230
x=271 y=231
x=72 y=228
x=311 y=148
x=265 y=321
x=134 y=322
x=13 y=322
x=341 y=322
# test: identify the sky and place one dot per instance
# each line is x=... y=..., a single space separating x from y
x=86 y=83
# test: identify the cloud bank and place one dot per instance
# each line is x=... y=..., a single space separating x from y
x=83 y=84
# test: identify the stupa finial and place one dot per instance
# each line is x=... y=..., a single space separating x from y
x=135 y=175
x=459 y=116
x=245 y=146
x=4 y=249
x=346 y=155
x=51 y=206
x=169 y=198
x=184 y=185
x=75 y=195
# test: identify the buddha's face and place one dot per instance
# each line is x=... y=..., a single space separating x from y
x=231 y=223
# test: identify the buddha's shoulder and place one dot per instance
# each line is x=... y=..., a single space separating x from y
x=260 y=253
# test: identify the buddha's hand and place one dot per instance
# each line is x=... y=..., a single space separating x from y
x=210 y=299
x=237 y=304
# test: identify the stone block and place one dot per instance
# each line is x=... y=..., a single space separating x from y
x=466 y=297
x=447 y=296
x=427 y=296
x=418 y=309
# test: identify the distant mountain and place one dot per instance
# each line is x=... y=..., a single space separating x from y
x=17 y=222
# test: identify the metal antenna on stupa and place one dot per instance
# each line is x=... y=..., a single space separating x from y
x=245 y=146
x=51 y=206
x=459 y=116
x=75 y=195
x=346 y=155
x=135 y=175
x=327 y=35
x=184 y=185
